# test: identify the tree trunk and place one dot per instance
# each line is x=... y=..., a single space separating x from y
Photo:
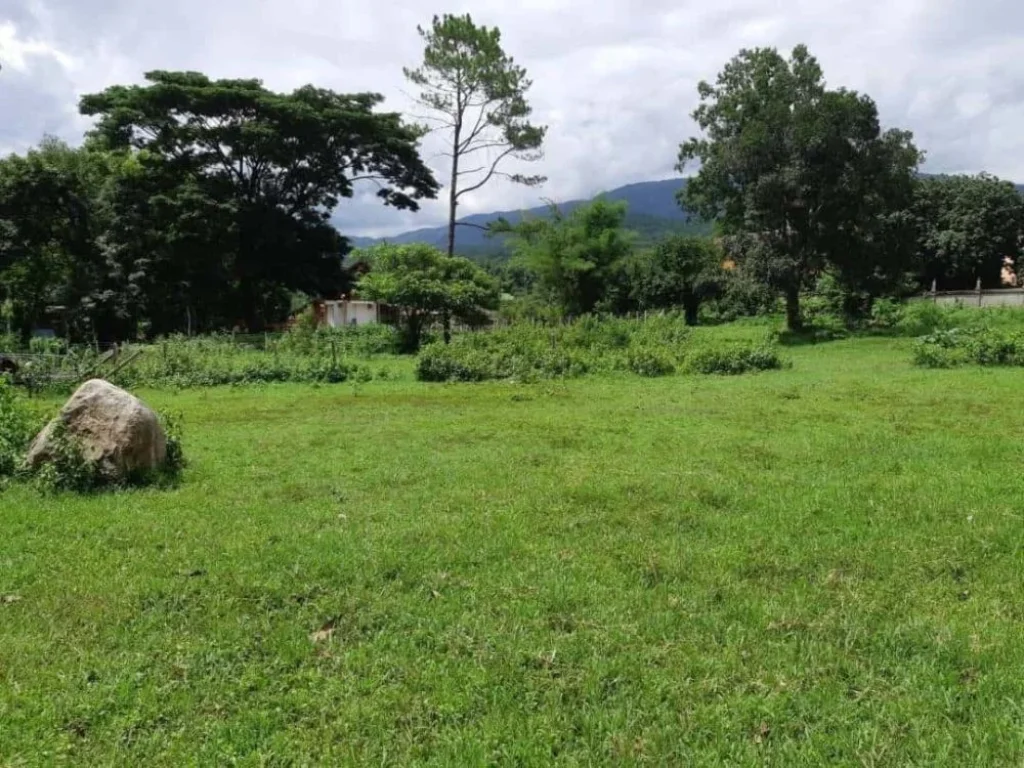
x=413 y=332
x=453 y=192
x=691 y=308
x=794 y=321
x=446 y=320
x=252 y=317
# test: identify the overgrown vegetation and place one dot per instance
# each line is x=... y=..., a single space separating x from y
x=655 y=346
x=976 y=346
x=65 y=467
x=17 y=428
x=427 y=287
x=304 y=354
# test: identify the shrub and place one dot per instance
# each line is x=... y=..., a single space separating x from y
x=440 y=362
x=732 y=360
x=654 y=346
x=175 y=461
x=965 y=346
x=923 y=317
x=17 y=427
x=66 y=468
x=886 y=313
x=742 y=296
x=646 y=362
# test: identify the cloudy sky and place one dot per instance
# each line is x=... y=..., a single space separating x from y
x=615 y=85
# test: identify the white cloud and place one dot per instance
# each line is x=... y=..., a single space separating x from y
x=18 y=53
x=615 y=81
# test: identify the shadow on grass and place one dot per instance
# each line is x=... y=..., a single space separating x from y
x=811 y=335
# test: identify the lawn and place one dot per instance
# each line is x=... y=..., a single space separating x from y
x=821 y=565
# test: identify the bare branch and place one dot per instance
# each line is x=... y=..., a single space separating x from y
x=480 y=125
x=490 y=174
x=368 y=177
x=436 y=119
x=484 y=145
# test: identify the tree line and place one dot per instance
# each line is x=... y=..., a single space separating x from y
x=196 y=204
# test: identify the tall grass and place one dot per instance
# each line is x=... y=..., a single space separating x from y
x=303 y=355
x=654 y=346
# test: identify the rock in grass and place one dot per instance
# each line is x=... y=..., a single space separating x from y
x=115 y=432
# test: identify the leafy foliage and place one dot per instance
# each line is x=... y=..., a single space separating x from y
x=970 y=346
x=575 y=257
x=968 y=226
x=680 y=271
x=655 y=346
x=195 y=204
x=66 y=468
x=424 y=284
x=800 y=177
x=478 y=95
x=49 y=252
x=734 y=359
x=17 y=427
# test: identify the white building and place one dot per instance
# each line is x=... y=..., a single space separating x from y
x=341 y=312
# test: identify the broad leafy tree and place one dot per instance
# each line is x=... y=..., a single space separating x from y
x=427 y=286
x=269 y=167
x=575 y=257
x=799 y=177
x=51 y=270
x=476 y=95
x=680 y=271
x=968 y=226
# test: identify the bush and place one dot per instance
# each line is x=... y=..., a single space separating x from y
x=733 y=360
x=655 y=346
x=17 y=428
x=209 y=361
x=646 y=362
x=923 y=317
x=440 y=362
x=66 y=468
x=358 y=340
x=967 y=346
x=886 y=313
x=741 y=296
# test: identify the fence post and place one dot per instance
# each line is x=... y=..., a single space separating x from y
x=978 y=289
x=935 y=292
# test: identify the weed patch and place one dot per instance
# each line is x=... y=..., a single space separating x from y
x=650 y=347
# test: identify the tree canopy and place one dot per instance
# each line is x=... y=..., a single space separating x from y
x=255 y=175
x=426 y=285
x=574 y=256
x=800 y=177
x=477 y=95
x=680 y=271
x=968 y=226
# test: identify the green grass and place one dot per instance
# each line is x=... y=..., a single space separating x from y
x=817 y=566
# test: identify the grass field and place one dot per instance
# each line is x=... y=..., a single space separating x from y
x=816 y=566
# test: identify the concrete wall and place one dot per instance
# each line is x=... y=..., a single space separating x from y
x=1004 y=297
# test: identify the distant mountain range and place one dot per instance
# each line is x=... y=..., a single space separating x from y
x=652 y=213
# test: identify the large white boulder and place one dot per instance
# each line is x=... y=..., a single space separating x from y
x=116 y=432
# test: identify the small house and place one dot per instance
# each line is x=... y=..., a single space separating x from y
x=336 y=313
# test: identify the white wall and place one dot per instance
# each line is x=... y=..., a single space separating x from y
x=341 y=313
